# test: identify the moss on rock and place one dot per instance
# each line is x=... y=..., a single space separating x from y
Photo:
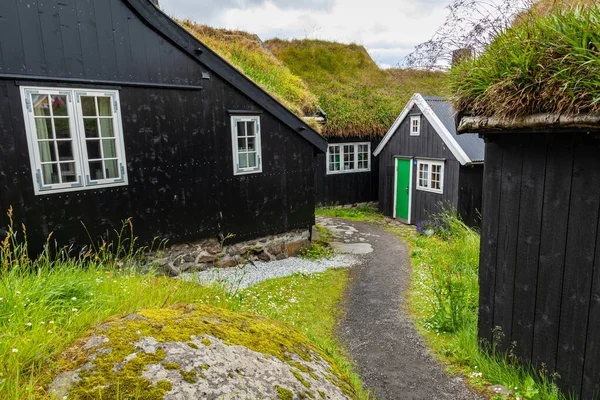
x=149 y=356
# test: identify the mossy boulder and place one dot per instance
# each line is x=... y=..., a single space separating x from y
x=192 y=352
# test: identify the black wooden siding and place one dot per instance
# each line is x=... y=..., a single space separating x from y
x=540 y=253
x=427 y=145
x=348 y=188
x=178 y=142
x=470 y=181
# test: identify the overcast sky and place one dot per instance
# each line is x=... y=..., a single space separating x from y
x=389 y=29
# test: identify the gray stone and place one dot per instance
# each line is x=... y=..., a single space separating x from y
x=499 y=389
x=95 y=341
x=352 y=248
x=60 y=386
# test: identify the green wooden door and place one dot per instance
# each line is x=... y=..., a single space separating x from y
x=402 y=188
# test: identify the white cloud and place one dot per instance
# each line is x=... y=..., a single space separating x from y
x=389 y=29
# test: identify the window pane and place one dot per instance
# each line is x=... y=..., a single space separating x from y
x=252 y=144
x=348 y=157
x=88 y=106
x=67 y=171
x=252 y=160
x=61 y=126
x=47 y=151
x=50 y=174
x=105 y=106
x=250 y=130
x=65 y=150
x=96 y=170
x=243 y=160
x=111 y=169
x=110 y=148
x=93 y=150
x=40 y=105
x=241 y=144
x=241 y=128
x=91 y=127
x=59 y=106
x=106 y=127
x=43 y=127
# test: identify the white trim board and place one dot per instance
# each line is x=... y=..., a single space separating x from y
x=434 y=120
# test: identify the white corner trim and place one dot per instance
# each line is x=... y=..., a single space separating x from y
x=434 y=120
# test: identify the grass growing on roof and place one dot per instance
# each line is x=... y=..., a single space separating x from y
x=360 y=99
x=545 y=63
x=444 y=300
x=246 y=52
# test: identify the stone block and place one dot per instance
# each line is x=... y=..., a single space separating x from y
x=294 y=248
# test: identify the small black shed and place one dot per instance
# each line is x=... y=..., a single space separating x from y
x=423 y=163
x=109 y=109
x=540 y=243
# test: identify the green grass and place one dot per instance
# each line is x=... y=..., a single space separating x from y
x=46 y=304
x=245 y=52
x=548 y=62
x=444 y=299
x=360 y=99
x=361 y=213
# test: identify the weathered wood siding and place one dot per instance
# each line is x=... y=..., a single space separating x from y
x=540 y=253
x=178 y=142
x=350 y=188
x=427 y=145
x=470 y=183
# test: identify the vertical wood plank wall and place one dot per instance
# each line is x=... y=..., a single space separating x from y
x=346 y=188
x=178 y=142
x=540 y=253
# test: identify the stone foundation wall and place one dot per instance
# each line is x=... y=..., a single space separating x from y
x=207 y=253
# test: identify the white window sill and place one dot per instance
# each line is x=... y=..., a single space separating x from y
x=250 y=172
x=352 y=171
x=436 y=191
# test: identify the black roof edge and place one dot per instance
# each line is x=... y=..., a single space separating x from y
x=162 y=23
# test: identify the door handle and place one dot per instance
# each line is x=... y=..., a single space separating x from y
x=407 y=190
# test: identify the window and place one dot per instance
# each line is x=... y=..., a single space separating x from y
x=415 y=125
x=75 y=139
x=430 y=176
x=348 y=157
x=245 y=135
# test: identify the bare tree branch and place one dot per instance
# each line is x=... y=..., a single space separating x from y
x=470 y=24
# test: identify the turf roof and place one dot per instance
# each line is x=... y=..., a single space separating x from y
x=548 y=62
x=360 y=99
x=247 y=53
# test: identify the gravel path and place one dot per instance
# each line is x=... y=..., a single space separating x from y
x=258 y=271
x=392 y=358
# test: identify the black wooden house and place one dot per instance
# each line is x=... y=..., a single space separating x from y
x=109 y=109
x=424 y=164
x=540 y=247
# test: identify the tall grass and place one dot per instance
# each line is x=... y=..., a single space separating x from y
x=49 y=301
x=546 y=63
x=444 y=299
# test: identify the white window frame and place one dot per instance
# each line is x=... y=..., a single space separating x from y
x=78 y=139
x=356 y=147
x=430 y=164
x=417 y=119
x=234 y=146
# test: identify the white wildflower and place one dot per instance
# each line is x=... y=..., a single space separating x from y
x=15 y=350
x=74 y=309
x=73 y=298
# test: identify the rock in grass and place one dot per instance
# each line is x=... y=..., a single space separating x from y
x=193 y=352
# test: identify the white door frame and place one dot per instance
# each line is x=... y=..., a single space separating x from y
x=410 y=184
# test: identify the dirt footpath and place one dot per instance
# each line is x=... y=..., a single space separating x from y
x=393 y=361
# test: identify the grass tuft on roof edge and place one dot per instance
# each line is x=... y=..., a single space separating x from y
x=547 y=62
